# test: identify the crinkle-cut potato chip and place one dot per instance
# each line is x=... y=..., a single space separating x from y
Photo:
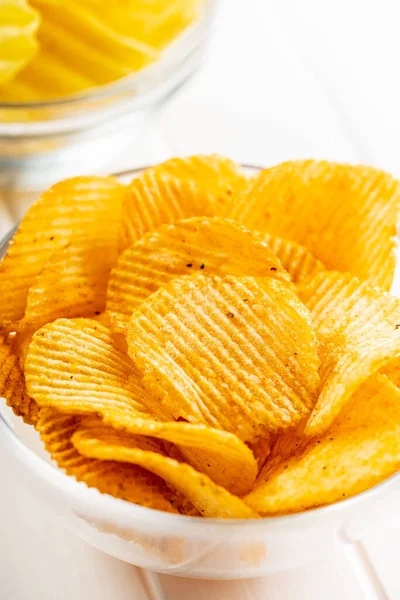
x=211 y=245
x=120 y=480
x=345 y=215
x=358 y=329
x=210 y=499
x=295 y=258
x=235 y=353
x=219 y=454
x=12 y=382
x=77 y=366
x=73 y=283
x=361 y=449
x=156 y=198
x=218 y=174
x=80 y=209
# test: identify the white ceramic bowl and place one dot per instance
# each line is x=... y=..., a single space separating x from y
x=189 y=546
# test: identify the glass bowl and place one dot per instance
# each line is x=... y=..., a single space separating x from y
x=192 y=546
x=43 y=142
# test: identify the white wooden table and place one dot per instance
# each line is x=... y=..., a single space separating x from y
x=289 y=79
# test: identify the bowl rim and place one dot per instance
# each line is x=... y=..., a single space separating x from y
x=127 y=82
x=56 y=476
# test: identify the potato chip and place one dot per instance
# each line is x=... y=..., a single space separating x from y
x=104 y=319
x=210 y=499
x=211 y=245
x=120 y=480
x=12 y=383
x=21 y=342
x=345 y=215
x=262 y=449
x=360 y=449
x=218 y=174
x=84 y=208
x=18 y=44
x=72 y=283
x=358 y=327
x=296 y=259
x=392 y=371
x=156 y=198
x=85 y=44
x=76 y=366
x=233 y=353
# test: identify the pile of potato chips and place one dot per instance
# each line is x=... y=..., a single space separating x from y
x=206 y=343
x=52 y=48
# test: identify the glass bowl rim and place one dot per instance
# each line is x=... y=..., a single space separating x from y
x=125 y=83
x=56 y=475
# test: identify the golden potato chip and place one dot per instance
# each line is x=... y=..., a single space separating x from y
x=296 y=259
x=76 y=366
x=121 y=480
x=73 y=363
x=73 y=283
x=104 y=319
x=358 y=327
x=21 y=342
x=219 y=454
x=210 y=499
x=217 y=174
x=345 y=215
x=392 y=371
x=235 y=353
x=75 y=210
x=156 y=198
x=18 y=45
x=360 y=449
x=211 y=245
x=12 y=382
x=262 y=449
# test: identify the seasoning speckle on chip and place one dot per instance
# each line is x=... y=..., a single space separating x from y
x=204 y=343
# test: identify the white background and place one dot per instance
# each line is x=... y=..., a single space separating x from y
x=283 y=79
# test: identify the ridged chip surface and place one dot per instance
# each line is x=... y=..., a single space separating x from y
x=156 y=198
x=211 y=245
x=12 y=382
x=234 y=353
x=120 y=480
x=73 y=283
x=359 y=450
x=358 y=327
x=81 y=209
x=210 y=499
x=345 y=215
x=77 y=366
